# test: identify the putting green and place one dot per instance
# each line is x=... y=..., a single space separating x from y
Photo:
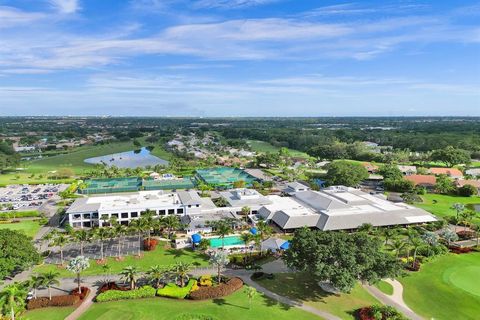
x=464 y=278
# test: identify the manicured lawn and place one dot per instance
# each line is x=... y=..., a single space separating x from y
x=445 y=288
x=234 y=307
x=49 y=313
x=444 y=203
x=385 y=287
x=29 y=227
x=262 y=146
x=302 y=287
x=160 y=256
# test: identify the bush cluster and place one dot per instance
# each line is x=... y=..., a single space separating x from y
x=221 y=290
x=205 y=281
x=150 y=245
x=262 y=275
x=57 y=301
x=112 y=295
x=171 y=290
x=379 y=313
x=195 y=316
x=466 y=235
x=84 y=291
x=111 y=286
x=459 y=250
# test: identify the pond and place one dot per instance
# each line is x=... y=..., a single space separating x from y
x=129 y=159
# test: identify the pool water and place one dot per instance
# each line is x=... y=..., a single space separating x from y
x=228 y=241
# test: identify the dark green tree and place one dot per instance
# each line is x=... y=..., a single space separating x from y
x=16 y=252
x=339 y=258
x=346 y=173
x=451 y=156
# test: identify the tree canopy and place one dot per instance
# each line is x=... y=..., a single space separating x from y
x=339 y=258
x=346 y=173
x=451 y=156
x=16 y=252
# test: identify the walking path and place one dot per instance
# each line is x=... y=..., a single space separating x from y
x=87 y=303
x=395 y=300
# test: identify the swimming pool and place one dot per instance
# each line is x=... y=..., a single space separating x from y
x=228 y=241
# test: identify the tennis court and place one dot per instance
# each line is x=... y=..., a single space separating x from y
x=224 y=176
x=97 y=186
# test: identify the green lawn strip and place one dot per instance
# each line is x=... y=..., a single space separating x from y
x=29 y=227
x=385 y=287
x=444 y=203
x=160 y=256
x=233 y=307
x=20 y=214
x=444 y=288
x=262 y=146
x=302 y=287
x=58 y=313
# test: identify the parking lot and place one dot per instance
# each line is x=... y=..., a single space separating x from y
x=27 y=197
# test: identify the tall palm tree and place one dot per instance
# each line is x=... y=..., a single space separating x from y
x=50 y=278
x=222 y=228
x=246 y=238
x=170 y=223
x=60 y=240
x=119 y=231
x=251 y=293
x=82 y=236
x=264 y=229
x=148 y=222
x=130 y=274
x=13 y=295
x=36 y=281
x=102 y=234
x=246 y=211
x=138 y=227
x=415 y=243
x=180 y=270
x=388 y=233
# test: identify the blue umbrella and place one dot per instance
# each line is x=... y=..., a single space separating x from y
x=253 y=231
x=196 y=238
x=285 y=245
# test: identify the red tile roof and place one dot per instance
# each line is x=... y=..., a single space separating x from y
x=461 y=183
x=422 y=179
x=452 y=172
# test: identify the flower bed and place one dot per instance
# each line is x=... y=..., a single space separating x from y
x=466 y=235
x=221 y=290
x=171 y=290
x=460 y=250
x=113 y=295
x=59 y=301
x=111 y=286
x=379 y=313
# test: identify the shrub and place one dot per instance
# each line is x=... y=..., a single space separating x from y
x=150 y=245
x=195 y=316
x=111 y=286
x=57 y=301
x=113 y=295
x=171 y=290
x=205 y=281
x=84 y=291
x=467 y=190
x=221 y=290
x=379 y=313
x=466 y=235
x=459 y=250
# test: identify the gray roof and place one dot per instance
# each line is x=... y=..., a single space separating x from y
x=286 y=221
x=297 y=185
x=190 y=197
x=319 y=201
x=80 y=205
x=234 y=201
x=201 y=220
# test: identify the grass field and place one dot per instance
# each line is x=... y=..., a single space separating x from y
x=160 y=256
x=385 y=287
x=29 y=227
x=444 y=203
x=262 y=146
x=445 y=288
x=233 y=307
x=59 y=313
x=303 y=288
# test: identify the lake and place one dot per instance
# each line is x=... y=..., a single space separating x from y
x=129 y=159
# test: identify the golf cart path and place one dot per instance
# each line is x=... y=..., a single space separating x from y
x=395 y=300
x=87 y=303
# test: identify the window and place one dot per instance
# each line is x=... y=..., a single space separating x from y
x=76 y=216
x=171 y=211
x=180 y=210
x=114 y=215
x=161 y=212
x=104 y=217
x=134 y=214
x=189 y=205
x=124 y=215
x=197 y=205
x=77 y=224
x=86 y=216
x=95 y=215
x=87 y=224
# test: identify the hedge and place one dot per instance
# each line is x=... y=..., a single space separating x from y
x=221 y=290
x=171 y=290
x=20 y=214
x=113 y=295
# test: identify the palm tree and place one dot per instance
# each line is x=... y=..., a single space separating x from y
x=180 y=270
x=397 y=245
x=119 y=231
x=12 y=296
x=388 y=234
x=250 y=292
x=246 y=238
x=83 y=236
x=77 y=265
x=246 y=211
x=138 y=227
x=50 y=278
x=36 y=281
x=264 y=229
x=129 y=274
x=102 y=234
x=219 y=259
x=170 y=223
x=415 y=243
x=157 y=273
x=222 y=228
x=149 y=222
x=466 y=218
x=60 y=240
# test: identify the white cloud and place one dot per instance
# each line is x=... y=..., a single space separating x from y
x=10 y=17
x=65 y=6
x=231 y=4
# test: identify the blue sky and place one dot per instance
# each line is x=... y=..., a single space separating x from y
x=239 y=58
